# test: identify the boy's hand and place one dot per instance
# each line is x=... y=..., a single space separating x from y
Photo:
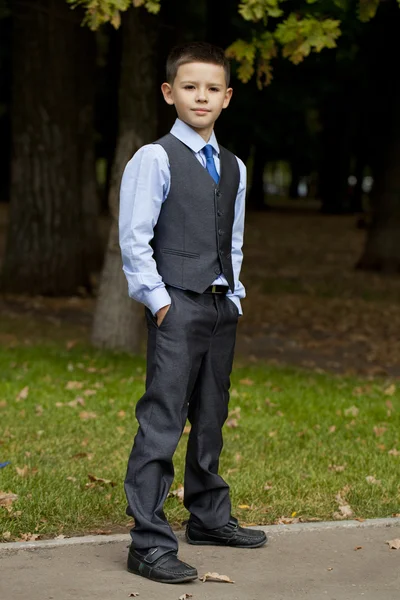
x=160 y=314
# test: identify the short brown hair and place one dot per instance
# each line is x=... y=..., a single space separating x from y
x=196 y=52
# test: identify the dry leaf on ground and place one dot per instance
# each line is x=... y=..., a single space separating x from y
x=23 y=394
x=216 y=577
x=394 y=452
x=378 y=431
x=390 y=390
x=178 y=493
x=232 y=423
x=352 y=411
x=133 y=594
x=7 y=498
x=394 y=544
x=337 y=468
x=29 y=537
x=85 y=415
x=246 y=381
x=99 y=480
x=74 y=385
x=371 y=479
x=185 y=596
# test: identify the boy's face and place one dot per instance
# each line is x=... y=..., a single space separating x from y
x=199 y=94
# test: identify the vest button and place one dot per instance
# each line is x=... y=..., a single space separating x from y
x=220 y=232
x=217 y=271
x=219 y=213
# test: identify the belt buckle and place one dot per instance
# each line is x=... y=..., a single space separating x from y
x=213 y=289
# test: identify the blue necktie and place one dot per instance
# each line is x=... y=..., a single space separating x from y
x=210 y=164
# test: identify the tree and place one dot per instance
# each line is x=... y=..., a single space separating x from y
x=52 y=236
x=120 y=327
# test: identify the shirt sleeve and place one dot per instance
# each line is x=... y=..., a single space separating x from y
x=144 y=187
x=237 y=238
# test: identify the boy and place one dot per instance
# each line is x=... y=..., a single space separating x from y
x=181 y=234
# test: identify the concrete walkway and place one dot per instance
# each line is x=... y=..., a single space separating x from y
x=311 y=561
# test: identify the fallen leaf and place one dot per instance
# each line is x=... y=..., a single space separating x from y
x=25 y=471
x=389 y=391
x=89 y=392
x=185 y=596
x=121 y=414
x=70 y=478
x=23 y=394
x=3 y=403
x=358 y=548
x=39 y=410
x=216 y=577
x=178 y=493
x=133 y=595
x=394 y=544
x=288 y=520
x=232 y=423
x=6 y=535
x=85 y=415
x=345 y=511
x=267 y=486
x=100 y=480
x=352 y=411
x=77 y=402
x=29 y=537
x=244 y=506
x=394 y=452
x=60 y=537
x=246 y=381
x=371 y=479
x=337 y=468
x=330 y=569
x=332 y=429
x=70 y=344
x=378 y=431
x=74 y=385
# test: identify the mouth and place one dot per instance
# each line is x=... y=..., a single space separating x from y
x=201 y=111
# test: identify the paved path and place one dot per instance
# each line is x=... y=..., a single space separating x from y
x=298 y=563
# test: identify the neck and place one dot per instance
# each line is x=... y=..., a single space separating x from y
x=205 y=133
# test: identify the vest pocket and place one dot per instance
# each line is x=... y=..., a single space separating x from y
x=180 y=253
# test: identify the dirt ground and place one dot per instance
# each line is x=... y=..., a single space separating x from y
x=306 y=305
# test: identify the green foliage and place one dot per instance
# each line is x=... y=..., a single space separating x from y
x=299 y=37
x=367 y=9
x=99 y=12
x=299 y=32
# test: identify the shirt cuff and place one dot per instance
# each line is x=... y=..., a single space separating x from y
x=156 y=299
x=236 y=300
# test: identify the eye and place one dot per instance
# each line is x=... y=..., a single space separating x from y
x=214 y=89
x=189 y=87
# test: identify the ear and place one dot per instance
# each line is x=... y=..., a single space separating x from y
x=167 y=93
x=228 y=96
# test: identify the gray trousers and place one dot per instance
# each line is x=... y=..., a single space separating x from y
x=189 y=362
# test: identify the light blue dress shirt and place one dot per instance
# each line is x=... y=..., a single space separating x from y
x=145 y=186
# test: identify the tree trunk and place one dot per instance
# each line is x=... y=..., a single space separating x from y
x=118 y=320
x=46 y=250
x=256 y=195
x=382 y=248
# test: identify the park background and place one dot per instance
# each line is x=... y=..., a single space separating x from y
x=313 y=430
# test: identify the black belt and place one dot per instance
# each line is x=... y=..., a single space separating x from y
x=217 y=289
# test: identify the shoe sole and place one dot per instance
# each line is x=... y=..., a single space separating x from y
x=180 y=580
x=210 y=543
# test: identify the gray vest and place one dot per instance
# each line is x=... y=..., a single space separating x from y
x=193 y=237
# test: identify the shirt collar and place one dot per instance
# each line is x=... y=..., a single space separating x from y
x=190 y=138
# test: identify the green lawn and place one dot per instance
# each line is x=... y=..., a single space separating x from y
x=303 y=436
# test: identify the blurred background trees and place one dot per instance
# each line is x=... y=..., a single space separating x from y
x=75 y=104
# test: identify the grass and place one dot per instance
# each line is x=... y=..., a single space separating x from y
x=290 y=429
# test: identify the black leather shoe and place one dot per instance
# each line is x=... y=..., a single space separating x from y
x=229 y=535
x=160 y=565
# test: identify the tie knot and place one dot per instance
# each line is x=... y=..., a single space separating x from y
x=208 y=151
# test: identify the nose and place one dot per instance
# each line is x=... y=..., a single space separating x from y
x=201 y=96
